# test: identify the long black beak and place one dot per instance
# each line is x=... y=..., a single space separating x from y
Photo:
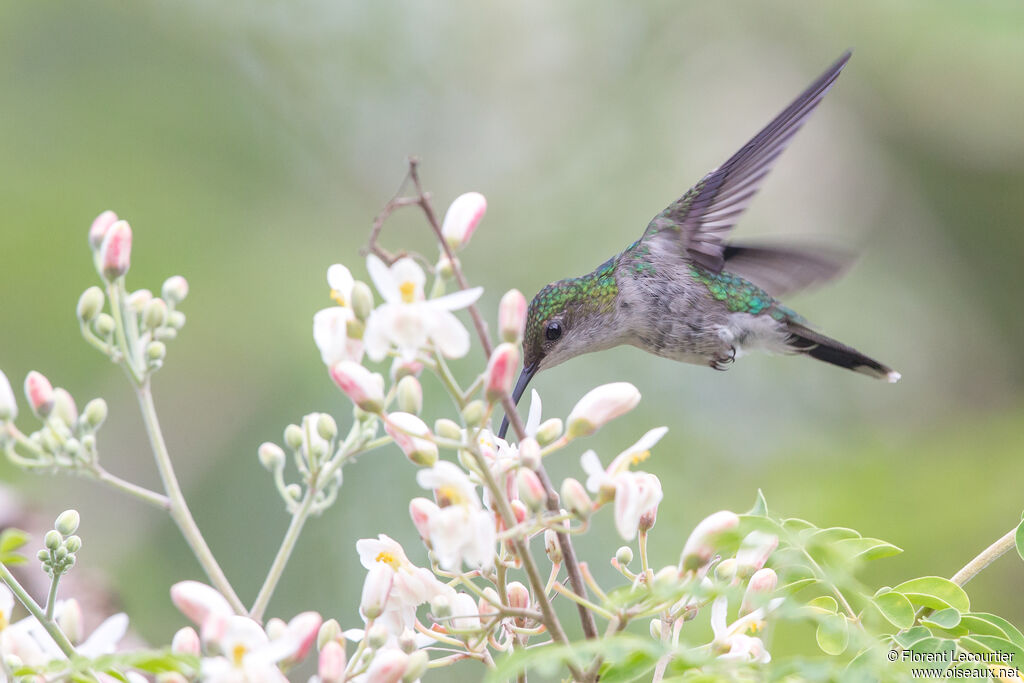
x=524 y=378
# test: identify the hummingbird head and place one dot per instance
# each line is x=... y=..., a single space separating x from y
x=565 y=319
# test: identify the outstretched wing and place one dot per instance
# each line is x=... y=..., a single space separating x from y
x=703 y=217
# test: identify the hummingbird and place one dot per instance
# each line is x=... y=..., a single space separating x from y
x=683 y=291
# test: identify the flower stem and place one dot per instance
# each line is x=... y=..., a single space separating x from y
x=283 y=554
x=178 y=507
x=51 y=597
x=986 y=557
x=35 y=610
x=145 y=495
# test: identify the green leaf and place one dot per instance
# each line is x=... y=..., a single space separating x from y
x=760 y=508
x=833 y=634
x=980 y=626
x=1018 y=539
x=867 y=548
x=935 y=592
x=1009 y=629
x=945 y=618
x=625 y=655
x=896 y=608
x=908 y=638
x=833 y=534
x=995 y=644
x=12 y=539
x=795 y=586
x=825 y=603
x=796 y=525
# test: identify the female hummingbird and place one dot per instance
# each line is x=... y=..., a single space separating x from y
x=683 y=292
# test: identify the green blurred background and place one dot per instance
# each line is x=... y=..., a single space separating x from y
x=251 y=144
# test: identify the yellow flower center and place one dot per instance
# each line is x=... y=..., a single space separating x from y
x=238 y=654
x=755 y=627
x=408 y=290
x=449 y=495
x=3 y=621
x=640 y=457
x=336 y=296
x=388 y=559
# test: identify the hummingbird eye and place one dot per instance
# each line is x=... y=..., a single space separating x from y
x=553 y=331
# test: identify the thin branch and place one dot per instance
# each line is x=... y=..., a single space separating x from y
x=986 y=557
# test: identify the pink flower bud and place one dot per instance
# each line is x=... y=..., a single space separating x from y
x=501 y=372
x=39 y=393
x=486 y=607
x=519 y=510
x=8 y=404
x=421 y=510
x=762 y=583
x=601 y=405
x=552 y=547
x=462 y=217
x=376 y=589
x=215 y=628
x=754 y=551
x=412 y=435
x=100 y=225
x=518 y=596
x=197 y=601
x=365 y=388
x=700 y=546
x=531 y=491
x=301 y=634
x=575 y=498
x=116 y=251
x=388 y=666
x=186 y=642
x=512 y=316
x=331 y=664
x=175 y=289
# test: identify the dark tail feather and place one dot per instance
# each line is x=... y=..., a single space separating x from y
x=805 y=340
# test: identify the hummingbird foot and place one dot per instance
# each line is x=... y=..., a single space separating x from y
x=722 y=363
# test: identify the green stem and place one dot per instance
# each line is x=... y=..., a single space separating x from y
x=115 y=291
x=51 y=598
x=36 y=611
x=178 y=507
x=283 y=554
x=145 y=495
x=986 y=557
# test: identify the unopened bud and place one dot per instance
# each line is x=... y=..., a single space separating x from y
x=624 y=555
x=186 y=642
x=174 y=289
x=412 y=435
x=138 y=299
x=388 y=665
x=440 y=606
x=421 y=510
x=378 y=635
x=293 y=491
x=667 y=577
x=529 y=453
x=512 y=316
x=656 y=629
x=449 y=429
x=407 y=641
x=755 y=549
x=275 y=628
x=116 y=251
x=474 y=412
x=156 y=351
x=67 y=522
x=416 y=666
x=362 y=300
x=293 y=437
x=446 y=270
x=364 y=388
x=355 y=328
x=326 y=427
x=700 y=546
x=329 y=630
x=575 y=498
x=95 y=412
x=64 y=408
x=73 y=543
x=176 y=319
x=462 y=218
x=726 y=569
x=155 y=313
x=104 y=325
x=518 y=596
x=552 y=547
x=331 y=662
x=761 y=584
x=52 y=539
x=39 y=393
x=501 y=372
x=531 y=491
x=271 y=455
x=486 y=606
x=90 y=304
x=410 y=395
x=549 y=430
x=601 y=405
x=100 y=225
x=8 y=403
x=519 y=510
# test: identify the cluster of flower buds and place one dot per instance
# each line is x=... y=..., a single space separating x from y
x=139 y=324
x=66 y=438
x=61 y=545
x=317 y=458
x=236 y=648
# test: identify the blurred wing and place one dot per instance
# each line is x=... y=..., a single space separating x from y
x=781 y=270
x=703 y=217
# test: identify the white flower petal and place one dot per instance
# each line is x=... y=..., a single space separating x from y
x=382 y=279
x=330 y=332
x=533 y=417
x=449 y=335
x=407 y=270
x=457 y=300
x=339 y=278
x=105 y=638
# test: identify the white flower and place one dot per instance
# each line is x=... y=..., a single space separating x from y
x=409 y=322
x=700 y=546
x=460 y=529
x=412 y=435
x=600 y=479
x=8 y=404
x=340 y=281
x=330 y=332
x=600 y=405
x=197 y=601
x=29 y=641
x=249 y=655
x=365 y=388
x=636 y=494
x=733 y=640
